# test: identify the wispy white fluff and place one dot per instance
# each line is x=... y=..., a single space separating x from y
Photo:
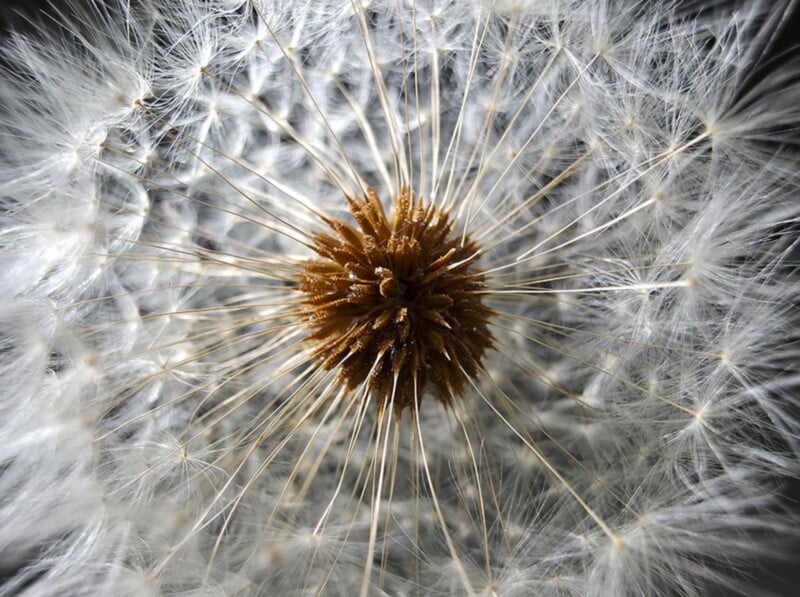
x=627 y=171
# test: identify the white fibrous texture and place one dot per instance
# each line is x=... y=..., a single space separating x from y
x=629 y=175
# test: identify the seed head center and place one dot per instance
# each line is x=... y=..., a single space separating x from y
x=395 y=304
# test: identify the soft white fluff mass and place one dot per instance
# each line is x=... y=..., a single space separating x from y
x=626 y=168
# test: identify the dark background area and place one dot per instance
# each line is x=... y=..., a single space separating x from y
x=768 y=577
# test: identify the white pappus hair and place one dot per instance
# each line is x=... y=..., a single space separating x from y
x=168 y=422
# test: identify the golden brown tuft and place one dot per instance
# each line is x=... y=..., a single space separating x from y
x=396 y=305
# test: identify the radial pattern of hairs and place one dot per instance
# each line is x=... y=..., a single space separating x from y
x=420 y=297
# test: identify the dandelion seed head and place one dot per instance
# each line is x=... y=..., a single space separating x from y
x=233 y=230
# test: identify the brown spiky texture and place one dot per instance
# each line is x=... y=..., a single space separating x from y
x=396 y=303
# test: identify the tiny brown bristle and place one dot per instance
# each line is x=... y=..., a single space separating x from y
x=396 y=303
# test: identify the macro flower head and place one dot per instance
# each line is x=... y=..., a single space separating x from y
x=397 y=298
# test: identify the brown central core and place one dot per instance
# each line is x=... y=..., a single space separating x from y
x=396 y=304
